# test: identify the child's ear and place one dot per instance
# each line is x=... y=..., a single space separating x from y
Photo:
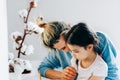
x=90 y=47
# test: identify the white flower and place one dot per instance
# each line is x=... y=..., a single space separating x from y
x=24 y=47
x=30 y=26
x=23 y=13
x=18 y=66
x=34 y=27
x=15 y=35
x=23 y=64
x=39 y=30
x=18 y=69
x=35 y=2
x=29 y=50
x=10 y=56
x=16 y=45
x=18 y=72
x=19 y=62
x=27 y=65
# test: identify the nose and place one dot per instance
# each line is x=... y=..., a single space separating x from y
x=74 y=54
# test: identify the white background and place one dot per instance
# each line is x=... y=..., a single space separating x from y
x=101 y=15
x=3 y=42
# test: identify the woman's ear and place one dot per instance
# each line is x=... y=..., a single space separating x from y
x=90 y=47
x=68 y=26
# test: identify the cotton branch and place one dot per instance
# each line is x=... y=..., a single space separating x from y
x=32 y=5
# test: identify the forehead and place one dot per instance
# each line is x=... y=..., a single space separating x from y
x=74 y=47
x=60 y=43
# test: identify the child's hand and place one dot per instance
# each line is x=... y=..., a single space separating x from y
x=69 y=73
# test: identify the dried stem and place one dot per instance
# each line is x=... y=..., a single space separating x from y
x=27 y=15
x=21 y=44
x=19 y=49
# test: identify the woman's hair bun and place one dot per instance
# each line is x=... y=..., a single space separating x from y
x=40 y=22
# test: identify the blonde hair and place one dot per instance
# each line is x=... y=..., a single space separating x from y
x=52 y=32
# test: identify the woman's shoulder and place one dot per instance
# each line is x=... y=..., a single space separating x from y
x=102 y=34
x=102 y=37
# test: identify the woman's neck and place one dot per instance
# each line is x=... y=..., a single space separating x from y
x=89 y=60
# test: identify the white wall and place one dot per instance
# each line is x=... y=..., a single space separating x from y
x=3 y=42
x=102 y=15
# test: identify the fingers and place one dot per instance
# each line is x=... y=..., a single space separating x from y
x=69 y=73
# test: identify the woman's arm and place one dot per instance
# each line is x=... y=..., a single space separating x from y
x=53 y=74
x=49 y=62
x=109 y=56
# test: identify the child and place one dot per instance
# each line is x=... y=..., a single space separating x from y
x=83 y=44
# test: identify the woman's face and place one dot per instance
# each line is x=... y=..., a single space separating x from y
x=61 y=45
x=78 y=52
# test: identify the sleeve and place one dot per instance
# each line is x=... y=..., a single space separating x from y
x=49 y=62
x=109 y=56
x=101 y=71
x=73 y=63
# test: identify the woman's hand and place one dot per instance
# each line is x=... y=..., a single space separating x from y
x=69 y=73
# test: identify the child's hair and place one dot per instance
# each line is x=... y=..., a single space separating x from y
x=52 y=32
x=82 y=36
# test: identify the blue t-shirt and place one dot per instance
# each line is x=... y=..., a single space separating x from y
x=61 y=59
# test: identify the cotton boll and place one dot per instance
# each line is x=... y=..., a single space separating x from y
x=20 y=62
x=24 y=64
x=10 y=56
x=23 y=49
x=18 y=66
x=23 y=13
x=18 y=69
x=34 y=27
x=30 y=26
x=16 y=45
x=33 y=3
x=29 y=50
x=27 y=65
x=39 y=30
x=15 y=35
x=18 y=72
